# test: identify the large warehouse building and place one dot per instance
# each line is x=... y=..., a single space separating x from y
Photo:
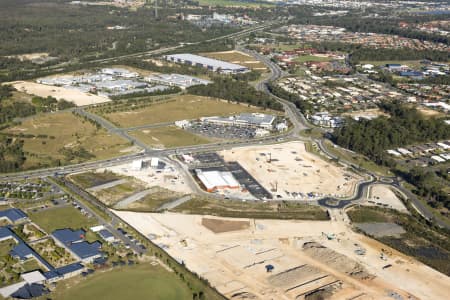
x=217 y=180
x=209 y=63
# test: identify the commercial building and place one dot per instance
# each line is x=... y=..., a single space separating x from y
x=209 y=63
x=74 y=242
x=217 y=180
x=13 y=215
x=251 y=120
x=181 y=81
x=64 y=272
x=106 y=235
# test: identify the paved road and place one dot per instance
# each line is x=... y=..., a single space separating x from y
x=61 y=66
x=111 y=226
x=295 y=116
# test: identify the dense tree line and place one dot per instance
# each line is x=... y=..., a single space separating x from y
x=15 y=110
x=370 y=54
x=12 y=155
x=169 y=91
x=405 y=126
x=82 y=31
x=235 y=90
x=429 y=186
x=6 y=91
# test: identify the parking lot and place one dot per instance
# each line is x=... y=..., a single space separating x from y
x=223 y=132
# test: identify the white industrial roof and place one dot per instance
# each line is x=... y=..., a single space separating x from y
x=97 y=228
x=216 y=179
x=33 y=277
x=215 y=63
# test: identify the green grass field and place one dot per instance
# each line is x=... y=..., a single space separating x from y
x=64 y=131
x=90 y=179
x=181 y=108
x=312 y=58
x=110 y=196
x=168 y=137
x=138 y=282
x=5 y=247
x=58 y=218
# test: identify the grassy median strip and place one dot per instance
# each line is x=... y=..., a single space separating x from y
x=258 y=210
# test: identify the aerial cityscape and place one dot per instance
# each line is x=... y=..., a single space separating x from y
x=224 y=149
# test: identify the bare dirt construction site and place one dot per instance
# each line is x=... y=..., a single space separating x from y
x=42 y=90
x=383 y=195
x=167 y=177
x=290 y=171
x=275 y=259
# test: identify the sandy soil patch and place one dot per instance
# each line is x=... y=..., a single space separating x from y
x=220 y=225
x=368 y=113
x=30 y=56
x=235 y=262
x=169 y=177
x=381 y=194
x=77 y=97
x=292 y=172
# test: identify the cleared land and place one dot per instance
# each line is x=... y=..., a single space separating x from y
x=110 y=196
x=288 y=168
x=137 y=282
x=234 y=262
x=384 y=195
x=168 y=178
x=237 y=57
x=75 y=96
x=59 y=218
x=179 y=108
x=156 y=198
x=368 y=113
x=168 y=137
x=218 y=225
x=62 y=137
x=430 y=246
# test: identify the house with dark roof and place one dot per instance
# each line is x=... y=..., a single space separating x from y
x=22 y=251
x=106 y=235
x=74 y=241
x=13 y=215
x=64 y=272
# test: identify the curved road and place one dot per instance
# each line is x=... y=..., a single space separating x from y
x=300 y=123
